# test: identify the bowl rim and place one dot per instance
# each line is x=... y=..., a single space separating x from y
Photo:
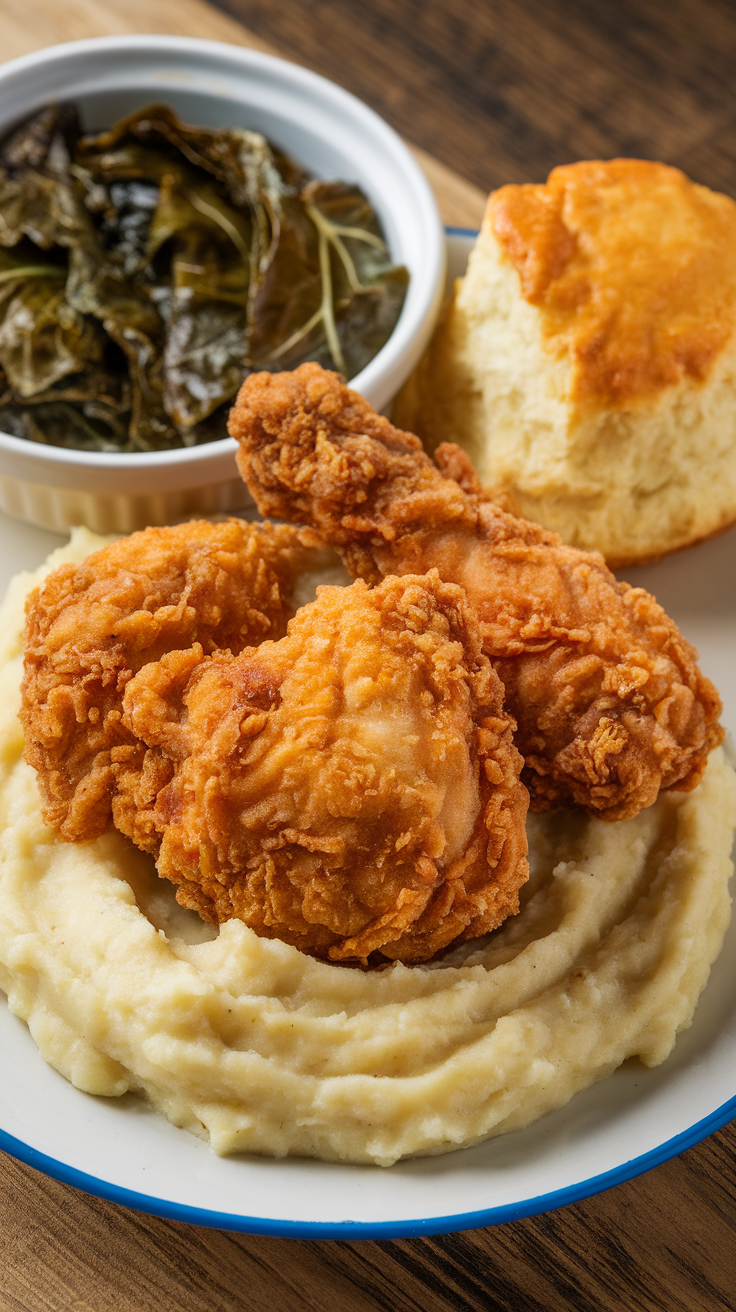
x=66 y=459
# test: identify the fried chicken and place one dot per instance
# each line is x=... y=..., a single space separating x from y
x=352 y=789
x=91 y=626
x=607 y=695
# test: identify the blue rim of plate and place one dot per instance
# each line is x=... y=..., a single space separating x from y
x=435 y=1225
x=460 y=232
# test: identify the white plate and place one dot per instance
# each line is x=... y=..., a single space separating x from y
x=122 y=1150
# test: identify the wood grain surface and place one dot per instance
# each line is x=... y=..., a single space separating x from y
x=499 y=92
x=503 y=90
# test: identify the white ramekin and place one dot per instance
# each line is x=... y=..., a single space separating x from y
x=328 y=131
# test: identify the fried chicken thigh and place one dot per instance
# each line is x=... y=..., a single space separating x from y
x=352 y=789
x=607 y=695
x=91 y=626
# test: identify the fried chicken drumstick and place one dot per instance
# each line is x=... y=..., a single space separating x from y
x=607 y=695
x=352 y=789
x=91 y=626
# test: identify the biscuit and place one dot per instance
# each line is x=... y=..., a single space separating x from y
x=587 y=361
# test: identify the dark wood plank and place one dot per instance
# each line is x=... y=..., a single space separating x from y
x=662 y=1243
x=504 y=91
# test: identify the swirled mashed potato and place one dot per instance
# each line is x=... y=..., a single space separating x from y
x=248 y=1042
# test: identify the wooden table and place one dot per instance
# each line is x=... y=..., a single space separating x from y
x=499 y=92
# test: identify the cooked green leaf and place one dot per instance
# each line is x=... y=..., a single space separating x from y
x=89 y=427
x=331 y=293
x=366 y=319
x=206 y=328
x=147 y=268
x=98 y=287
x=42 y=338
x=283 y=326
x=36 y=196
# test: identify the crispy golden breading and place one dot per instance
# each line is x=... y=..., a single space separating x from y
x=91 y=626
x=352 y=789
x=609 y=701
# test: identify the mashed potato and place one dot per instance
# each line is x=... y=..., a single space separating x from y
x=249 y=1043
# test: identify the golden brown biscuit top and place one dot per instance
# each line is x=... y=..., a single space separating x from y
x=633 y=268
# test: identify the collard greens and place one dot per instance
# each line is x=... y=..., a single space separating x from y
x=144 y=271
